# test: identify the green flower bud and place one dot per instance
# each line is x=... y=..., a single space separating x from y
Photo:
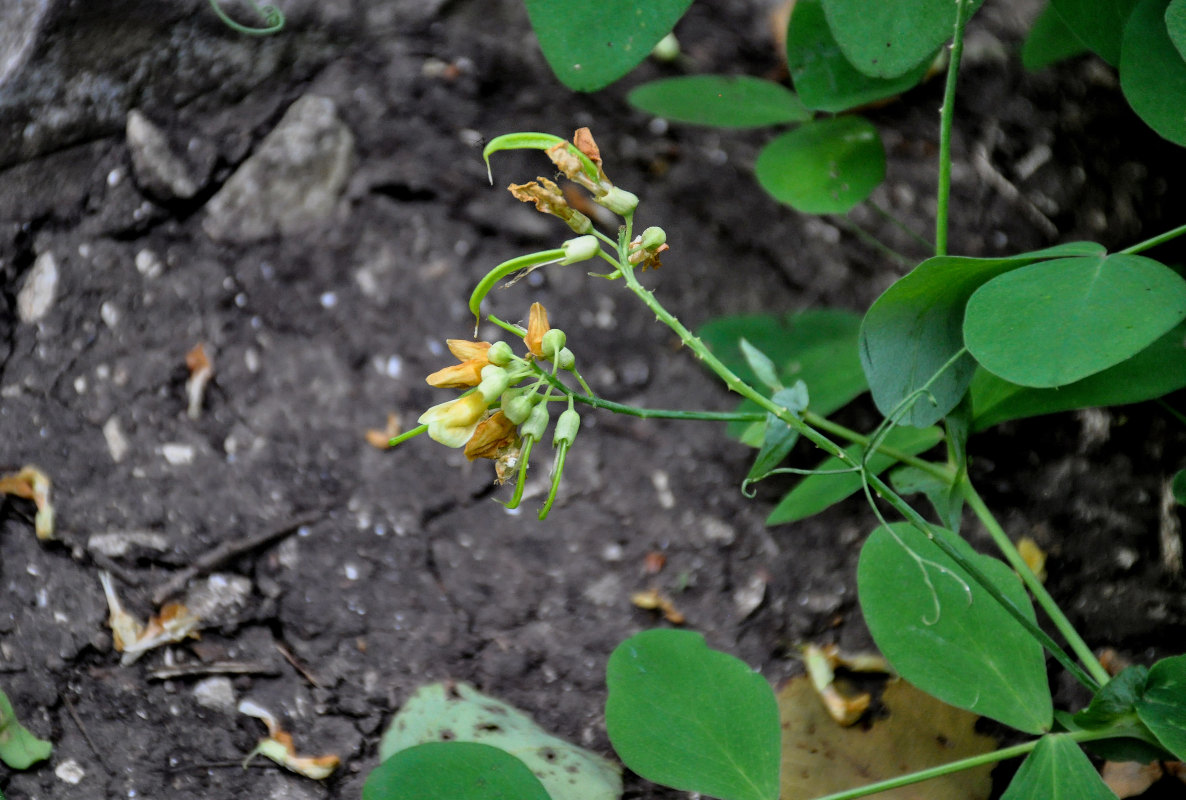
x=536 y=423
x=653 y=237
x=495 y=381
x=619 y=201
x=517 y=405
x=566 y=427
x=581 y=248
x=500 y=354
x=552 y=342
x=565 y=359
x=666 y=49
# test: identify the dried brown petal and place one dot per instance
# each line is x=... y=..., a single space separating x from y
x=492 y=435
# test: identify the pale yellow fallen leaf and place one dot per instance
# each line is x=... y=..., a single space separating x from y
x=1129 y=779
x=820 y=757
x=1034 y=556
x=278 y=746
x=30 y=483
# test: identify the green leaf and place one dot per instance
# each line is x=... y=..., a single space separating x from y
x=1155 y=371
x=886 y=40
x=1099 y=24
x=816 y=492
x=760 y=364
x=724 y=101
x=453 y=770
x=824 y=166
x=1057 y=770
x=19 y=748
x=1055 y=322
x=1153 y=72
x=823 y=77
x=1178 y=487
x=591 y=45
x=779 y=437
x=946 y=499
x=1049 y=41
x=1175 y=25
x=1115 y=701
x=695 y=719
x=1162 y=707
x=460 y=713
x=945 y=634
x=916 y=327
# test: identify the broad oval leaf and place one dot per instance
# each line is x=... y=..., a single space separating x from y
x=1153 y=72
x=591 y=45
x=725 y=101
x=692 y=718
x=816 y=492
x=916 y=327
x=1055 y=322
x=1162 y=707
x=945 y=634
x=886 y=40
x=1155 y=371
x=1057 y=770
x=19 y=748
x=823 y=77
x=453 y=770
x=1099 y=24
x=824 y=166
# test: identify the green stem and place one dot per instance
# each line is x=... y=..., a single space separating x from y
x=946 y=114
x=1156 y=240
x=403 y=437
x=900 y=225
x=955 y=766
x=868 y=238
x=1043 y=598
x=1178 y=415
x=273 y=19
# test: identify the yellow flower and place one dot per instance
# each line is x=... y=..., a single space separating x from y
x=453 y=423
x=473 y=357
x=491 y=437
x=537 y=326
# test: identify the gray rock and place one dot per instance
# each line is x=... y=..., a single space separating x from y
x=292 y=182
x=160 y=172
x=37 y=293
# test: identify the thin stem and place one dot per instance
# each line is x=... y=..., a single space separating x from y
x=823 y=423
x=868 y=238
x=273 y=19
x=1043 y=598
x=1178 y=415
x=1156 y=240
x=403 y=437
x=900 y=225
x=946 y=114
x=955 y=766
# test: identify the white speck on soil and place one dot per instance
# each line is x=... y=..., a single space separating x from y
x=662 y=484
x=149 y=264
x=216 y=693
x=41 y=284
x=70 y=772
x=178 y=454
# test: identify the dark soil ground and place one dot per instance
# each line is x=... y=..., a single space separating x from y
x=392 y=569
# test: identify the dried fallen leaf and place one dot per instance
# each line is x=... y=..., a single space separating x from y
x=278 y=746
x=820 y=757
x=380 y=438
x=1129 y=779
x=653 y=600
x=843 y=708
x=653 y=562
x=1034 y=556
x=201 y=370
x=134 y=639
x=30 y=483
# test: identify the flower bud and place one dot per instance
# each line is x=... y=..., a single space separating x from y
x=566 y=427
x=500 y=354
x=619 y=201
x=517 y=405
x=581 y=248
x=552 y=342
x=536 y=423
x=495 y=381
x=565 y=359
x=653 y=237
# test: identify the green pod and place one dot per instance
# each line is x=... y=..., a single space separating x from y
x=567 y=426
x=536 y=424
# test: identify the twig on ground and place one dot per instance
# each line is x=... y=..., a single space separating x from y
x=228 y=551
x=86 y=735
x=171 y=671
x=297 y=665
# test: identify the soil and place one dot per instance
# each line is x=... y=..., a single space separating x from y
x=387 y=570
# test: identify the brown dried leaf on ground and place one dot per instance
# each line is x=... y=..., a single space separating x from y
x=1129 y=779
x=201 y=370
x=654 y=600
x=133 y=639
x=381 y=437
x=820 y=757
x=30 y=483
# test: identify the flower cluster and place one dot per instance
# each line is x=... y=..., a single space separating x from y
x=496 y=418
